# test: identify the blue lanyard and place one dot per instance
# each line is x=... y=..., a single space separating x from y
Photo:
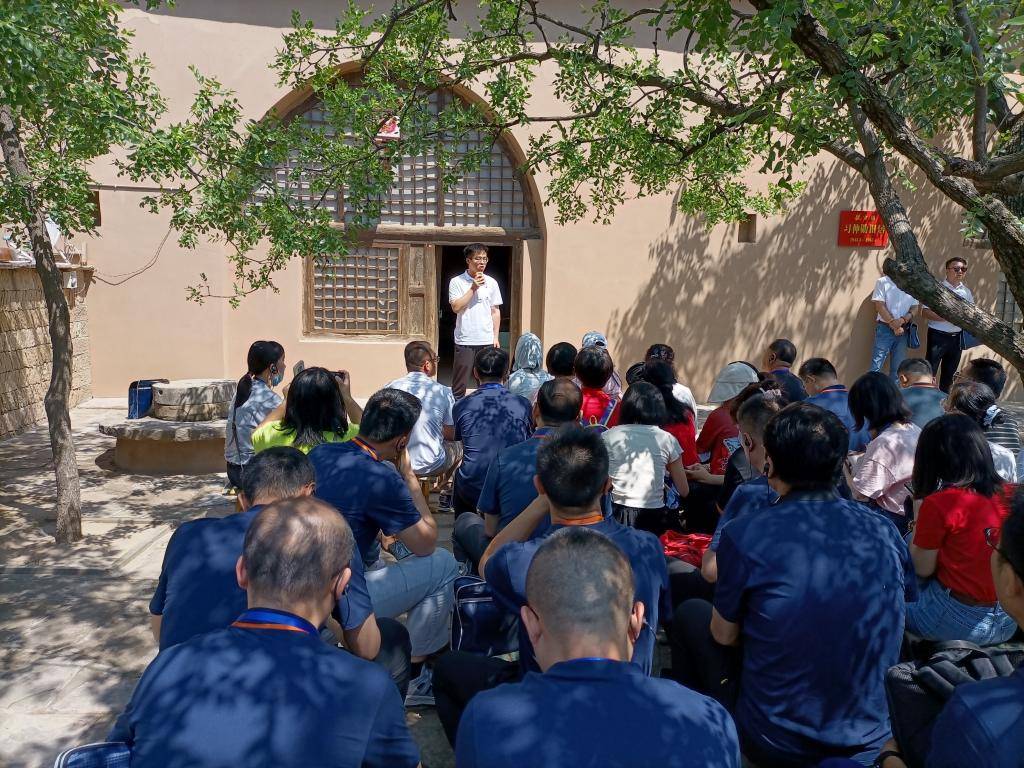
x=256 y=618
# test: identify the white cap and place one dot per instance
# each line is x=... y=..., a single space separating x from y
x=730 y=381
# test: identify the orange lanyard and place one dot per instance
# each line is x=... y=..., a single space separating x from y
x=593 y=519
x=373 y=454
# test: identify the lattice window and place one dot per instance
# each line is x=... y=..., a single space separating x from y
x=301 y=188
x=492 y=196
x=358 y=293
x=1006 y=308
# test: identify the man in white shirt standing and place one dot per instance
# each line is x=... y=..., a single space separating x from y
x=945 y=340
x=894 y=311
x=432 y=447
x=475 y=299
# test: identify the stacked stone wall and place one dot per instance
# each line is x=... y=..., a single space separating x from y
x=25 y=349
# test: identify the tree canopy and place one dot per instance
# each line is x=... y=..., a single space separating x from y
x=695 y=97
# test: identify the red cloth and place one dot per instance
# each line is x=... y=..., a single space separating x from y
x=686 y=433
x=953 y=521
x=595 y=403
x=717 y=429
x=688 y=547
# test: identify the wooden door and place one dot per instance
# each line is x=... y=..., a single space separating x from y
x=421 y=292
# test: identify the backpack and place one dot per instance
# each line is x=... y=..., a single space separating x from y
x=479 y=623
x=601 y=424
x=918 y=690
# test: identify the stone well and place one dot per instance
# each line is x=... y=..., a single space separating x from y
x=184 y=433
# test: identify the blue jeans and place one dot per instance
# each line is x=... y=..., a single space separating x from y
x=888 y=344
x=939 y=616
x=420 y=587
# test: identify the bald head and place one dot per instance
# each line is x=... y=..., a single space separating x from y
x=581 y=585
x=559 y=401
x=295 y=549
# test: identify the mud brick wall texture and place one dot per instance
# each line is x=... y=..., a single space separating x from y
x=25 y=351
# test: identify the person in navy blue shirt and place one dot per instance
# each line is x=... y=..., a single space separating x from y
x=370 y=480
x=777 y=360
x=267 y=690
x=983 y=723
x=572 y=474
x=198 y=592
x=591 y=706
x=823 y=388
x=808 y=611
x=489 y=419
x=508 y=487
x=920 y=393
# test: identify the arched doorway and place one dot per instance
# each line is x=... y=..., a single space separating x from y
x=394 y=285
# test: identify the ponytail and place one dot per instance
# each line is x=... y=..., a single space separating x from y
x=660 y=374
x=262 y=354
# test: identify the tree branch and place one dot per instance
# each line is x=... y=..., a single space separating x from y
x=980 y=115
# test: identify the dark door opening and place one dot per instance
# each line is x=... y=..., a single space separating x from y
x=451 y=263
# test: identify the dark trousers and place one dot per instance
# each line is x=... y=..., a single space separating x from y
x=461 y=501
x=698 y=662
x=395 y=653
x=469 y=540
x=462 y=369
x=701 y=508
x=459 y=676
x=654 y=521
x=944 y=349
x=686 y=582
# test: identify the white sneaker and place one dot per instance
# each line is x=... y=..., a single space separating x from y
x=421 y=690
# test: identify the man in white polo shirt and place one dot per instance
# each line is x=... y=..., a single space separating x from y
x=475 y=299
x=432 y=447
x=894 y=311
x=945 y=340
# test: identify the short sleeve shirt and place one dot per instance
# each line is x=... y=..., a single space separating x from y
x=749 y=497
x=243 y=421
x=790 y=384
x=617 y=717
x=426 y=444
x=273 y=435
x=506 y=571
x=198 y=592
x=487 y=420
x=897 y=302
x=837 y=399
x=885 y=468
x=638 y=455
x=508 y=486
x=982 y=724
x=944 y=325
x=474 y=325
x=815 y=566
x=718 y=439
x=369 y=492
x=269 y=697
x=924 y=402
x=953 y=521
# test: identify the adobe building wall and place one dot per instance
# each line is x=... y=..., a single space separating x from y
x=651 y=275
x=25 y=350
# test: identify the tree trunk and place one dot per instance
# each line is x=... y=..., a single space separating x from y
x=58 y=416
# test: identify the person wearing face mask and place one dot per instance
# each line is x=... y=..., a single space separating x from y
x=255 y=398
x=370 y=480
x=808 y=611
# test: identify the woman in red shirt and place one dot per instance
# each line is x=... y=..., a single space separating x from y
x=682 y=421
x=962 y=496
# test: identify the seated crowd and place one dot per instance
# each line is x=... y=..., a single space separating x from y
x=839 y=530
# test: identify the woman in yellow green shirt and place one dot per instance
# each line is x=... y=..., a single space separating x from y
x=317 y=409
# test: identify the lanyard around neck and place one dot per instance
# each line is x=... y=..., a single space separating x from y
x=256 y=618
x=366 y=449
x=593 y=519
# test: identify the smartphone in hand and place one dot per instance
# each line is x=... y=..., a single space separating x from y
x=298 y=368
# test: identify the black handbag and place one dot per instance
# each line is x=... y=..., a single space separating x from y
x=918 y=690
x=479 y=623
x=913 y=337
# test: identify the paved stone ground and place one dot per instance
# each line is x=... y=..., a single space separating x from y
x=74 y=634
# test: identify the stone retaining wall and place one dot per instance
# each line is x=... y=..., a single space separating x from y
x=25 y=349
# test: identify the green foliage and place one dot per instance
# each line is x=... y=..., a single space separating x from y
x=728 y=126
x=75 y=90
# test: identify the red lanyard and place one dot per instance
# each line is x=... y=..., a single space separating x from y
x=373 y=454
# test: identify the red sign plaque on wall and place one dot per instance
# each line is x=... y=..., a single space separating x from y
x=862 y=229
